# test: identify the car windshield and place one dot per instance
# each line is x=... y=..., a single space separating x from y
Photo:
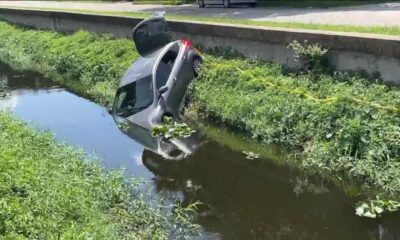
x=134 y=97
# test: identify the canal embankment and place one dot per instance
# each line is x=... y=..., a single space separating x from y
x=374 y=54
x=340 y=124
x=241 y=195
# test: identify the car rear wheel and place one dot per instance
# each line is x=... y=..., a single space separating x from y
x=227 y=3
x=201 y=3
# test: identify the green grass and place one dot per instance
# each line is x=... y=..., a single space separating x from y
x=94 y=63
x=49 y=190
x=381 y=30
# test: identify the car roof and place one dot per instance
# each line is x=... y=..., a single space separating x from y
x=141 y=68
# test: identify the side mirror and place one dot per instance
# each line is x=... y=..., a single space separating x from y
x=163 y=89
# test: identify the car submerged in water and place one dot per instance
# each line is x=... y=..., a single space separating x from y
x=171 y=149
x=155 y=85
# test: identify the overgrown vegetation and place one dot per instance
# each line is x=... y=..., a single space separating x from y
x=49 y=190
x=311 y=57
x=95 y=63
x=343 y=125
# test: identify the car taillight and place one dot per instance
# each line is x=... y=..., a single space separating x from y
x=186 y=42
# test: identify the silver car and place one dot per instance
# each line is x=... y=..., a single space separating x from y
x=155 y=85
x=226 y=3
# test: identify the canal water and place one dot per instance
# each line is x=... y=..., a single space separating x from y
x=241 y=198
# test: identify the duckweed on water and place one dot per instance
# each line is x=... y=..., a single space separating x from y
x=49 y=190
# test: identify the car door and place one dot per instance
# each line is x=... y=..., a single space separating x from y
x=151 y=34
x=182 y=78
x=177 y=80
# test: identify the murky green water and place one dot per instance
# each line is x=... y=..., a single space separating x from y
x=241 y=198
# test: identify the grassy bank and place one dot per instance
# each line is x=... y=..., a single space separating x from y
x=51 y=191
x=381 y=30
x=345 y=126
x=94 y=63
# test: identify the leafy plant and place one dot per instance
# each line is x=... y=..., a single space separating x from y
x=311 y=57
x=172 y=129
x=374 y=208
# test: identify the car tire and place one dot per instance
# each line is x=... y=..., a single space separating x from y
x=196 y=65
x=201 y=3
x=253 y=5
x=227 y=3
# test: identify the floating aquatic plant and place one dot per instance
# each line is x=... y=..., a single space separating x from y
x=172 y=129
x=374 y=208
x=251 y=155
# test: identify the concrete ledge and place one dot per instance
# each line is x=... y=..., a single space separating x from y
x=348 y=51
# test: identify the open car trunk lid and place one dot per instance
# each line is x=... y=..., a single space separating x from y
x=151 y=34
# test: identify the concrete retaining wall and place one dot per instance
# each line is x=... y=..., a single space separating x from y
x=368 y=52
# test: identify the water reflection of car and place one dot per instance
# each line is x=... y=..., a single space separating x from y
x=155 y=85
x=173 y=149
